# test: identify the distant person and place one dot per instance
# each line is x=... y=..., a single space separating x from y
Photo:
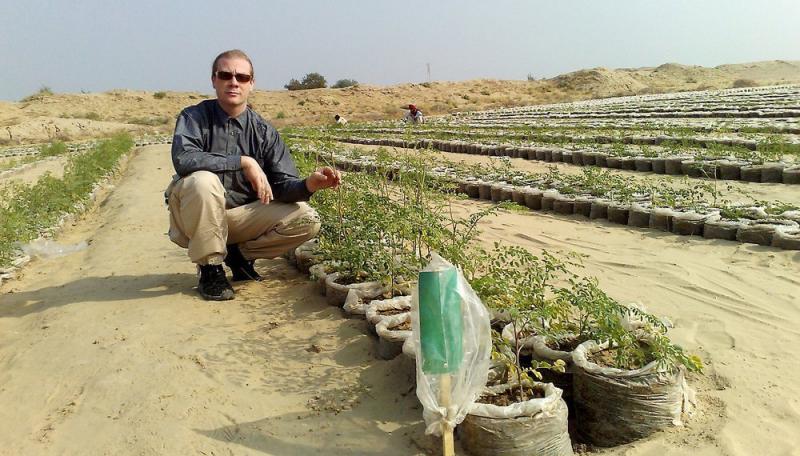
x=340 y=120
x=413 y=115
x=236 y=196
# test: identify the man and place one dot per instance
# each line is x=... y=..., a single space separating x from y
x=413 y=115
x=237 y=195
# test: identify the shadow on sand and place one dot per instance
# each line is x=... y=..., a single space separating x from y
x=96 y=289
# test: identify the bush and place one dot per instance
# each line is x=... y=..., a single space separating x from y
x=342 y=83
x=53 y=149
x=43 y=92
x=280 y=115
x=310 y=81
x=159 y=95
x=740 y=83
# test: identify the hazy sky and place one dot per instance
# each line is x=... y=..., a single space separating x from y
x=99 y=45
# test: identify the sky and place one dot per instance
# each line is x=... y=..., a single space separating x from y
x=101 y=45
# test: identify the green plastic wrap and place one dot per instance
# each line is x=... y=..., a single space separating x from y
x=452 y=344
x=440 y=321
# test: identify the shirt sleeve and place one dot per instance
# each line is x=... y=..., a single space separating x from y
x=190 y=150
x=282 y=172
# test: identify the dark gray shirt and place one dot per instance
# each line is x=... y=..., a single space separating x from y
x=207 y=139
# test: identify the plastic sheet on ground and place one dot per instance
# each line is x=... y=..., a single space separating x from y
x=45 y=248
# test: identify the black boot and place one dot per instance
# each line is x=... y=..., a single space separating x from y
x=214 y=286
x=242 y=269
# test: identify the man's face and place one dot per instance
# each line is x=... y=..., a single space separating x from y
x=232 y=94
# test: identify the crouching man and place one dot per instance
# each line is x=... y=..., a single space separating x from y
x=236 y=196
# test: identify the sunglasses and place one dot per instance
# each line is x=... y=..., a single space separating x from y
x=227 y=76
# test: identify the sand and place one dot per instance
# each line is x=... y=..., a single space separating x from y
x=30 y=172
x=88 y=115
x=111 y=351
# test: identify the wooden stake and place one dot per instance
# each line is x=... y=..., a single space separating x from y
x=448 y=448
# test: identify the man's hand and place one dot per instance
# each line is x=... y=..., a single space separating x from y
x=326 y=177
x=258 y=180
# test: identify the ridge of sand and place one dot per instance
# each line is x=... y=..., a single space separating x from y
x=77 y=116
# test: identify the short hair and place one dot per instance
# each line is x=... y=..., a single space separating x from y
x=233 y=53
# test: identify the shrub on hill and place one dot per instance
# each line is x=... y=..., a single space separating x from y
x=342 y=83
x=310 y=81
x=740 y=83
x=43 y=92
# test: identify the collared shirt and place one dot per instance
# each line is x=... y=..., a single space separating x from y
x=207 y=139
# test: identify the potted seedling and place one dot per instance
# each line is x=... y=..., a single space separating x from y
x=629 y=378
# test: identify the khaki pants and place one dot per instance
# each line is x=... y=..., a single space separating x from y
x=199 y=221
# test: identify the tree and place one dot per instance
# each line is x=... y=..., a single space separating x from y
x=310 y=81
x=294 y=84
x=342 y=83
x=314 y=81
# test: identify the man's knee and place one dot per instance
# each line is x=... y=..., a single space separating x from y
x=203 y=182
x=306 y=224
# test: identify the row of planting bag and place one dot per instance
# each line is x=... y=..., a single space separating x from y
x=749 y=144
x=660 y=113
x=609 y=406
x=727 y=169
x=80 y=146
x=781 y=232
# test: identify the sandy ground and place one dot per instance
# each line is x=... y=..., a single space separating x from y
x=110 y=351
x=31 y=172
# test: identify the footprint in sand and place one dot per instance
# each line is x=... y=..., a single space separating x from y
x=60 y=414
x=709 y=335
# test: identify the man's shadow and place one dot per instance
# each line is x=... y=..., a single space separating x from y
x=96 y=289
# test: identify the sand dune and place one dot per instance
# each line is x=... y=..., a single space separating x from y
x=97 y=114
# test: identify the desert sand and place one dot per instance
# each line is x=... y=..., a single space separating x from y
x=111 y=351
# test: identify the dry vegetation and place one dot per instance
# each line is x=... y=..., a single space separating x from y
x=74 y=116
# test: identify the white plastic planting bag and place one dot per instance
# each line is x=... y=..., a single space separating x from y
x=452 y=343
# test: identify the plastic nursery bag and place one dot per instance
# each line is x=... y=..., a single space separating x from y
x=452 y=344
